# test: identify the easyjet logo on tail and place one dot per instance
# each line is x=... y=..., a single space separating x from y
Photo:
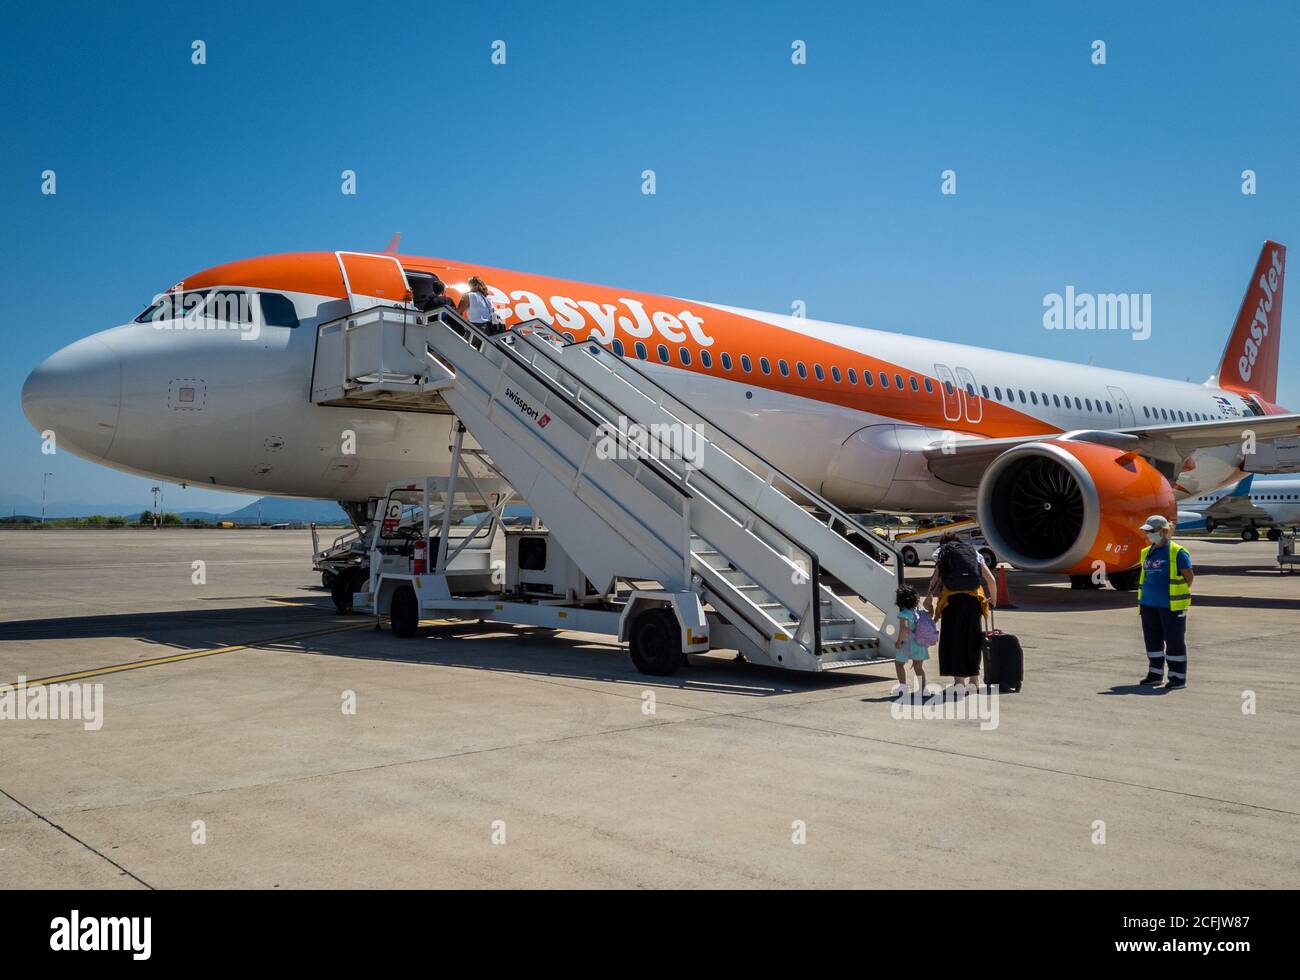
x=1250 y=358
x=1269 y=283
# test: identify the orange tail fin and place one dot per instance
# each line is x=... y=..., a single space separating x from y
x=1250 y=359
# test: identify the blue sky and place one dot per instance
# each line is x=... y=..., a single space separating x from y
x=775 y=182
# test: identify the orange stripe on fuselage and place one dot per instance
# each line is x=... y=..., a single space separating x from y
x=580 y=309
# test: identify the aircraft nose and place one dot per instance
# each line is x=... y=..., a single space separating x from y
x=76 y=393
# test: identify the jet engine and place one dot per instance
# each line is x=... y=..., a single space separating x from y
x=1061 y=506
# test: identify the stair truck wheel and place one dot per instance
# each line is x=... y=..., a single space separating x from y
x=910 y=557
x=327 y=578
x=655 y=640
x=343 y=586
x=990 y=559
x=404 y=612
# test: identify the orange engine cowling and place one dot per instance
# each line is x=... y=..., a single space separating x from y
x=1061 y=506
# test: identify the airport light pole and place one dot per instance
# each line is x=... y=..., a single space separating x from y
x=156 y=521
x=45 y=479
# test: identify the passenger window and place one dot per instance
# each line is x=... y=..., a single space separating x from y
x=821 y=374
x=784 y=368
x=706 y=359
x=746 y=363
x=915 y=386
x=277 y=310
x=853 y=376
x=984 y=390
x=929 y=388
x=803 y=371
x=726 y=361
x=997 y=393
x=835 y=374
x=1056 y=400
x=1088 y=403
x=618 y=347
x=947 y=386
x=662 y=351
x=884 y=380
x=640 y=350
x=898 y=381
x=1034 y=397
x=765 y=365
x=685 y=355
x=867 y=379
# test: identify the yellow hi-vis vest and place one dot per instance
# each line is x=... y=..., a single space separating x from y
x=1180 y=593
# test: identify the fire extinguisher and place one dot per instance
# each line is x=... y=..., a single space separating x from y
x=417 y=558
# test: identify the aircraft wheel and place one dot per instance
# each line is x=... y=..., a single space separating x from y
x=404 y=613
x=1249 y=534
x=342 y=588
x=1274 y=533
x=910 y=557
x=1210 y=525
x=656 y=642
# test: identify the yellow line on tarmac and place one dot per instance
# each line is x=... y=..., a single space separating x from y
x=193 y=655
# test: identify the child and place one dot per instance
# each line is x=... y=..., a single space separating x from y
x=905 y=645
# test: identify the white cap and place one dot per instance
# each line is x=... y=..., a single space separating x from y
x=1155 y=523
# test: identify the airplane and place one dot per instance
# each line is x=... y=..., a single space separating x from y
x=1272 y=503
x=210 y=385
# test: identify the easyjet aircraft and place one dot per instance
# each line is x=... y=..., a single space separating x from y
x=1060 y=461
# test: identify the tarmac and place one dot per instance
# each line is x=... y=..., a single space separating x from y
x=484 y=756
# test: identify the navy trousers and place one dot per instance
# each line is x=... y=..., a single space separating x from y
x=1165 y=634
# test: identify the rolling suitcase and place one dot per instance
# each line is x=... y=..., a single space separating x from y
x=1004 y=661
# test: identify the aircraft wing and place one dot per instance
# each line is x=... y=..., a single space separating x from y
x=962 y=461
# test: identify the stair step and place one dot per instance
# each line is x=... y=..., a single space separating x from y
x=850 y=643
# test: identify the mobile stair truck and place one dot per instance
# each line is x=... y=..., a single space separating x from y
x=671 y=552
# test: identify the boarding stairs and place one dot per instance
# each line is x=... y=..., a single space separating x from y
x=580 y=434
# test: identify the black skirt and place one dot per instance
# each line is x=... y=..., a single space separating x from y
x=961 y=637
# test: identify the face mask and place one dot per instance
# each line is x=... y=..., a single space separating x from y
x=1154 y=537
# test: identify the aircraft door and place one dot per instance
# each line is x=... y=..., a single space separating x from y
x=951 y=398
x=1123 y=408
x=970 y=393
x=373 y=280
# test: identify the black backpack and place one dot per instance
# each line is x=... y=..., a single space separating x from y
x=959 y=566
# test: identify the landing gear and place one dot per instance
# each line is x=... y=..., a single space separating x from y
x=1249 y=533
x=655 y=640
x=346 y=583
x=1125 y=581
x=404 y=612
x=1210 y=525
x=1274 y=533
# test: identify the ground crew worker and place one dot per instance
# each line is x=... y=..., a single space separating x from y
x=1164 y=593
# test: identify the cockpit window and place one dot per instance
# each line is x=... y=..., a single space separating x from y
x=278 y=311
x=229 y=306
x=172 y=306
